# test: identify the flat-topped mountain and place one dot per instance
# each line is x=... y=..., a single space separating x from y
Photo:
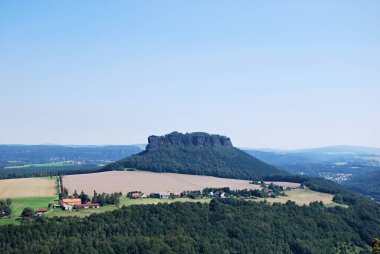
x=196 y=139
x=196 y=153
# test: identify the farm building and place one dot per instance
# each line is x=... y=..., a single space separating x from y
x=174 y=195
x=72 y=201
x=160 y=195
x=41 y=211
x=68 y=203
x=219 y=194
x=136 y=194
x=88 y=205
x=164 y=194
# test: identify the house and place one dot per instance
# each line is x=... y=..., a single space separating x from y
x=174 y=195
x=164 y=194
x=68 y=203
x=41 y=211
x=88 y=205
x=219 y=194
x=135 y=195
x=160 y=195
x=72 y=201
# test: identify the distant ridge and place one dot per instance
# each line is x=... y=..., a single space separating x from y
x=196 y=153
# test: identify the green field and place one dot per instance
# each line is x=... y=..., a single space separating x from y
x=18 y=205
x=304 y=197
x=123 y=201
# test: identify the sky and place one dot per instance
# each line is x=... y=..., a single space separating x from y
x=267 y=74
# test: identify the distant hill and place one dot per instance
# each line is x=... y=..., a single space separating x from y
x=344 y=149
x=337 y=163
x=367 y=184
x=280 y=158
x=56 y=153
x=44 y=160
x=196 y=153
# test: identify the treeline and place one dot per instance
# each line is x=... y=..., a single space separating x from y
x=314 y=183
x=223 y=226
x=107 y=199
x=100 y=198
x=5 y=207
x=245 y=193
x=367 y=184
x=9 y=173
x=227 y=162
x=32 y=154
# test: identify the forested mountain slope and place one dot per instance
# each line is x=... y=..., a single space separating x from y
x=367 y=184
x=196 y=153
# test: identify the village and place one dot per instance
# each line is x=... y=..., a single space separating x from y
x=77 y=201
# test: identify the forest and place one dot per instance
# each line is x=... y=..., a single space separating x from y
x=367 y=184
x=31 y=154
x=223 y=226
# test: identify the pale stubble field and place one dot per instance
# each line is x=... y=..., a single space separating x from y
x=147 y=182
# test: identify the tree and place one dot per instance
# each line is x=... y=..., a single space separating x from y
x=64 y=193
x=9 y=201
x=75 y=194
x=27 y=212
x=84 y=198
x=5 y=208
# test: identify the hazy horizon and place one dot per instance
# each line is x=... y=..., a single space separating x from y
x=280 y=75
x=241 y=147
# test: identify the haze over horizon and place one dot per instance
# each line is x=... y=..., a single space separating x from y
x=266 y=74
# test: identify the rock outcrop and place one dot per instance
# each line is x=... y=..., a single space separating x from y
x=197 y=139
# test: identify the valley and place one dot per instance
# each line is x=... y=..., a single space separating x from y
x=197 y=179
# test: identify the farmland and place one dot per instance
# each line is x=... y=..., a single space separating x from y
x=147 y=182
x=39 y=192
x=28 y=187
x=123 y=202
x=304 y=197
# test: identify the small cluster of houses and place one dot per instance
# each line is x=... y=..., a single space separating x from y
x=164 y=195
x=139 y=194
x=76 y=203
x=68 y=204
x=218 y=194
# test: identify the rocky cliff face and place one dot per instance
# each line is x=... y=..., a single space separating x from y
x=197 y=139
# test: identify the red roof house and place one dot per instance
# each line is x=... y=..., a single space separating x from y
x=41 y=211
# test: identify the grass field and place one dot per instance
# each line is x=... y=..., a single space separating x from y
x=304 y=197
x=18 y=205
x=28 y=187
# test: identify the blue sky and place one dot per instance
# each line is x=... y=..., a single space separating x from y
x=279 y=74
